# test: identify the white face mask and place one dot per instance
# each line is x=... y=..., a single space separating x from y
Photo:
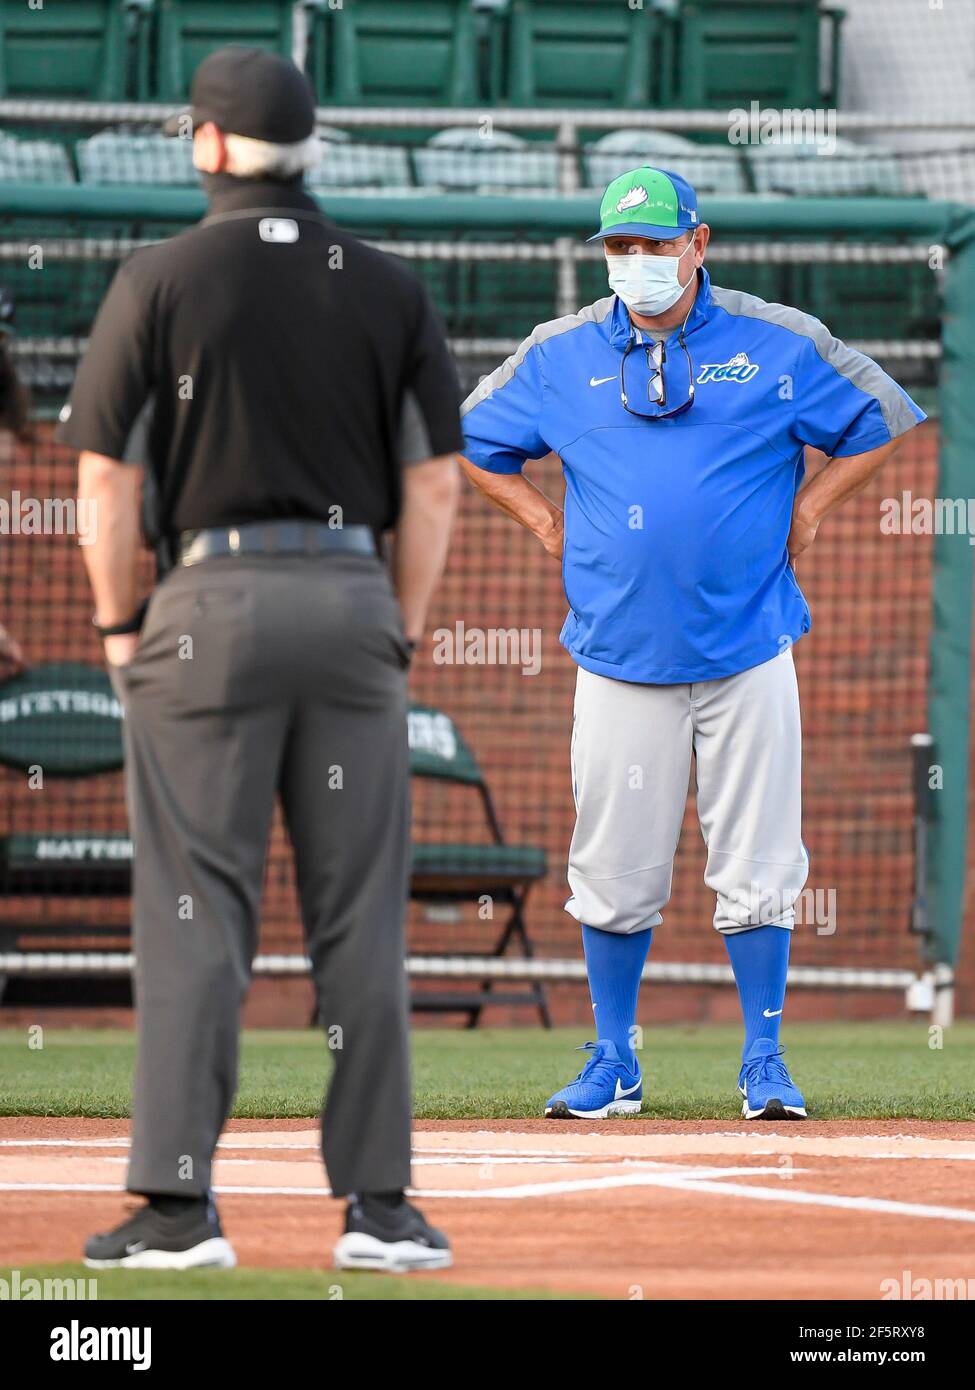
x=648 y=284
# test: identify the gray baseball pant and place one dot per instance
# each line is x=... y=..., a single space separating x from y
x=631 y=759
x=254 y=677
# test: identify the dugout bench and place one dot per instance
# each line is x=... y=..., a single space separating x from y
x=63 y=721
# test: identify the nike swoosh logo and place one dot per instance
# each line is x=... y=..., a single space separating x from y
x=600 y=381
x=620 y=1093
x=771 y=1013
x=135 y=1247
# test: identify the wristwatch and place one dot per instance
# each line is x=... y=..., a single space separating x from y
x=129 y=625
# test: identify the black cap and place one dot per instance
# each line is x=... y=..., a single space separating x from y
x=250 y=91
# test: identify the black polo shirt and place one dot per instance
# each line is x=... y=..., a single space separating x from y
x=282 y=368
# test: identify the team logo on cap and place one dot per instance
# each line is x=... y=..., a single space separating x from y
x=632 y=199
x=738 y=369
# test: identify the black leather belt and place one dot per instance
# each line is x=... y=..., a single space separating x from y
x=272 y=538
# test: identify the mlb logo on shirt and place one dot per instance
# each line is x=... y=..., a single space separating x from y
x=278 y=229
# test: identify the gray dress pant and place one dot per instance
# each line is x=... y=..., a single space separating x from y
x=254 y=677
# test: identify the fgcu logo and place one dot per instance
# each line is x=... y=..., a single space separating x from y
x=632 y=199
x=738 y=369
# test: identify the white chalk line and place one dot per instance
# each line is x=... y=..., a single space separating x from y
x=672 y=1180
x=449 y=1161
x=687 y=1174
x=287 y=1148
x=423 y=1154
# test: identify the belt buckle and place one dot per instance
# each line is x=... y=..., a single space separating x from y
x=233 y=540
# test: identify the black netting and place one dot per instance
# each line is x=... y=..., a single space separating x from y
x=862 y=671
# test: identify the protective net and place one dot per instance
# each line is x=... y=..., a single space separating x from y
x=812 y=151
x=862 y=670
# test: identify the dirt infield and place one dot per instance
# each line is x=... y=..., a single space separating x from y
x=635 y=1208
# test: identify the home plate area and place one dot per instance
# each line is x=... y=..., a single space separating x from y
x=631 y=1209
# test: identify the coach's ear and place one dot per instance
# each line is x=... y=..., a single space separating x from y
x=701 y=237
x=209 y=149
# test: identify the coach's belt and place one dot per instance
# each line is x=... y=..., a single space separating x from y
x=272 y=538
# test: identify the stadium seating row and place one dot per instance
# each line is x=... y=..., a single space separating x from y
x=461 y=159
x=659 y=53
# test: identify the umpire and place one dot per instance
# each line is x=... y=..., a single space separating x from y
x=298 y=400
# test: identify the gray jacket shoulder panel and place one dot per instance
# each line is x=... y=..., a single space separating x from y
x=861 y=371
x=597 y=312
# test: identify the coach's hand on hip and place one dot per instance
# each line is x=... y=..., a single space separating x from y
x=840 y=479
x=521 y=499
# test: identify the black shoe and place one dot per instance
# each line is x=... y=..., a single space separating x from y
x=189 y=1238
x=387 y=1233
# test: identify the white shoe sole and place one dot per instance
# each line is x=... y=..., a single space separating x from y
x=788 y=1112
x=357 y=1250
x=216 y=1253
x=615 y=1107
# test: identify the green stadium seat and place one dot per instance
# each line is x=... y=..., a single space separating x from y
x=66 y=718
x=56 y=865
x=34 y=161
x=64 y=51
x=808 y=170
x=469 y=872
x=140 y=34
x=114 y=157
x=733 y=52
x=461 y=158
x=190 y=29
x=385 y=53
x=475 y=865
x=855 y=301
x=348 y=163
x=576 y=53
x=490 y=20
x=487 y=299
x=766 y=279
x=711 y=169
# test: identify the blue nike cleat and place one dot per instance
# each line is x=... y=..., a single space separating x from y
x=768 y=1091
x=605 y=1086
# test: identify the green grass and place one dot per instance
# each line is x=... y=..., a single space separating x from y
x=289 y=1284
x=848 y=1071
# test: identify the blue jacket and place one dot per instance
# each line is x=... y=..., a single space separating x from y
x=675 y=565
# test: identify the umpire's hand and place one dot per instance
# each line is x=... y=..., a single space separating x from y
x=11 y=657
x=120 y=650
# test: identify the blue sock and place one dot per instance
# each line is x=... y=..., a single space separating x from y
x=760 y=960
x=615 y=963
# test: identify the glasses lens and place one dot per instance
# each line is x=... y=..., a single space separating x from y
x=656 y=385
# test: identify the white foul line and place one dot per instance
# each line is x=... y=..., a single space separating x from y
x=424 y=1154
x=683 y=1183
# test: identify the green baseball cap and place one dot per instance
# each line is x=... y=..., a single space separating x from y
x=648 y=202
